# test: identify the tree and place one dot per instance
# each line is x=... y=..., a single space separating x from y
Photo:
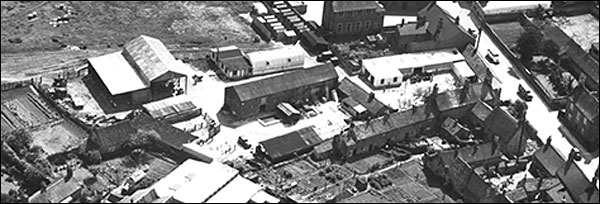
x=20 y=141
x=93 y=157
x=32 y=180
x=528 y=43
x=550 y=49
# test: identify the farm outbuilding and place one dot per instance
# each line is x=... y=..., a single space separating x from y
x=282 y=59
x=144 y=71
x=288 y=145
x=248 y=99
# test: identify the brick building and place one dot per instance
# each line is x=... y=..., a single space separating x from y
x=247 y=99
x=580 y=120
x=352 y=18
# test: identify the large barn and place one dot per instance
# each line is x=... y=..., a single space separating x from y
x=248 y=99
x=144 y=71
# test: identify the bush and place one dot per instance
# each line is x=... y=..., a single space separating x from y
x=528 y=43
x=20 y=141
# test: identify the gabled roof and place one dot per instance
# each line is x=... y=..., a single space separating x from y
x=576 y=182
x=481 y=110
x=452 y=99
x=502 y=124
x=287 y=81
x=236 y=63
x=151 y=57
x=585 y=102
x=126 y=80
x=449 y=11
x=228 y=52
x=549 y=158
x=581 y=58
x=473 y=154
x=290 y=143
x=361 y=96
x=61 y=189
x=391 y=122
x=115 y=136
x=313 y=38
x=412 y=29
x=342 y=6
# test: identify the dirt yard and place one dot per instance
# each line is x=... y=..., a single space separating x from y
x=584 y=29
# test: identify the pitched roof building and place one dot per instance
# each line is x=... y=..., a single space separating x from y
x=66 y=189
x=581 y=119
x=144 y=62
x=289 y=144
x=373 y=106
x=352 y=18
x=250 y=98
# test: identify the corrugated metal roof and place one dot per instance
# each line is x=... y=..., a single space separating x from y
x=287 y=81
x=151 y=56
x=168 y=106
x=116 y=73
x=290 y=143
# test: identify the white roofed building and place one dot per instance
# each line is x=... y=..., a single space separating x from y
x=144 y=71
x=199 y=182
x=277 y=60
x=391 y=70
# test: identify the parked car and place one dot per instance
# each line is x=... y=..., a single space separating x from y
x=490 y=58
x=524 y=94
x=243 y=142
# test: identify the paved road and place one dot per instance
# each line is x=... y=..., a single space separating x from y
x=544 y=120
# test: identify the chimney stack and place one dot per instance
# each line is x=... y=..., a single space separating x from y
x=371 y=97
x=402 y=23
x=548 y=142
x=456 y=20
x=573 y=156
x=475 y=148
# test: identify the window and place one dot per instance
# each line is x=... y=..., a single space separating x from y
x=349 y=27
x=357 y=26
x=367 y=24
x=331 y=25
x=395 y=79
x=234 y=72
x=289 y=60
x=339 y=28
x=382 y=81
x=268 y=63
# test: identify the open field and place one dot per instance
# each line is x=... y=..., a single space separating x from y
x=97 y=27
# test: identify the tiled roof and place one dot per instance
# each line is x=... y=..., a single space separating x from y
x=361 y=96
x=502 y=124
x=287 y=81
x=549 y=158
x=585 y=102
x=473 y=154
x=392 y=122
x=115 y=136
x=576 y=183
x=61 y=189
x=584 y=61
x=481 y=110
x=290 y=143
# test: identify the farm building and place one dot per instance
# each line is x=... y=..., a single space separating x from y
x=231 y=61
x=390 y=70
x=142 y=72
x=374 y=134
x=247 y=99
x=291 y=144
x=173 y=110
x=112 y=139
x=358 y=102
x=277 y=60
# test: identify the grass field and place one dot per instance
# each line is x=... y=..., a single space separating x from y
x=98 y=27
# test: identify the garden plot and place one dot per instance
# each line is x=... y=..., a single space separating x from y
x=26 y=109
x=60 y=137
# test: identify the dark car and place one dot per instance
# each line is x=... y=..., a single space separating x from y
x=243 y=142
